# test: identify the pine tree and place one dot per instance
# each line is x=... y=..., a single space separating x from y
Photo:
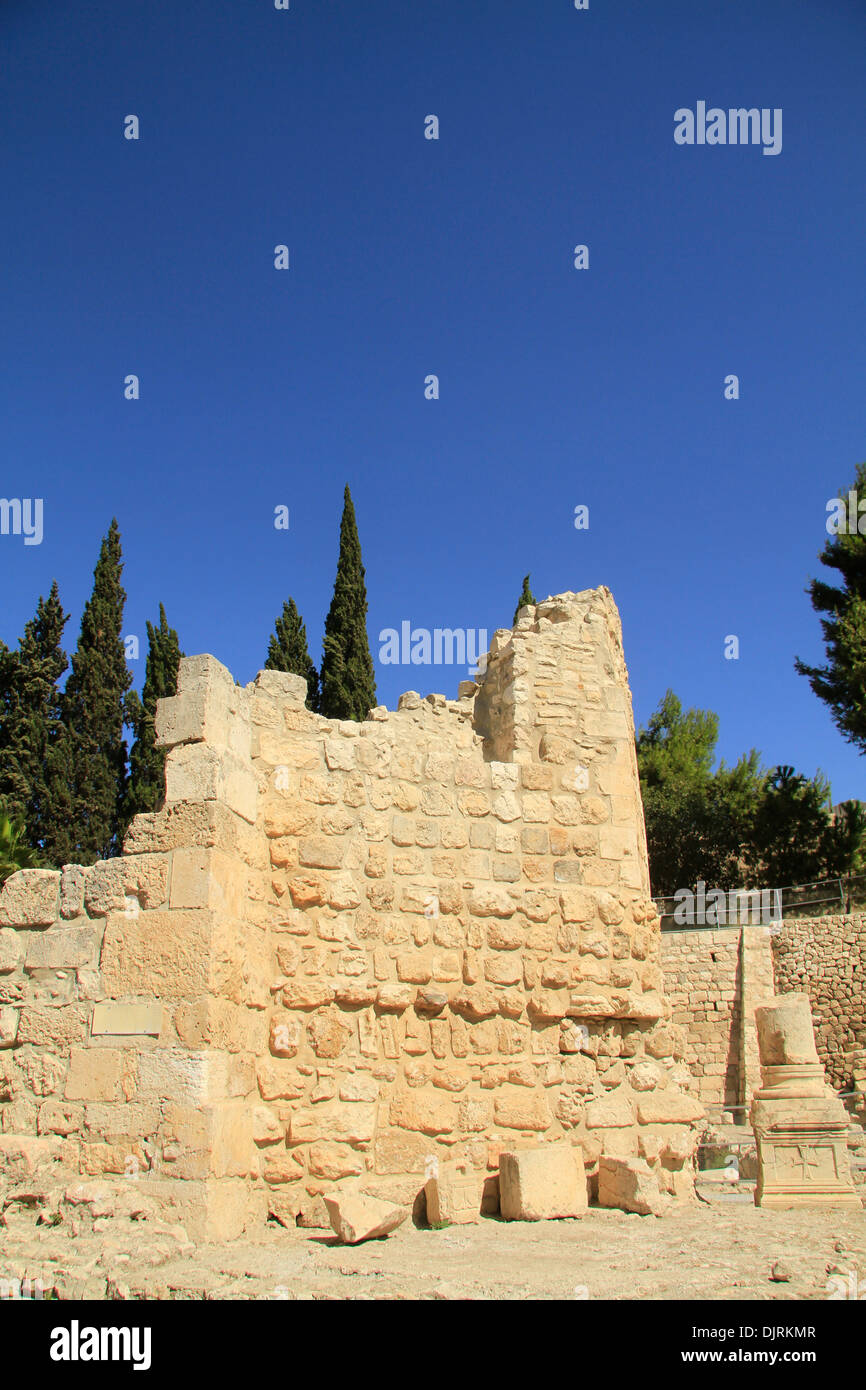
x=91 y=758
x=527 y=596
x=32 y=724
x=841 y=683
x=348 y=685
x=287 y=651
x=146 y=788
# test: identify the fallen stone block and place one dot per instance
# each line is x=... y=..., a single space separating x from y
x=454 y=1195
x=542 y=1183
x=631 y=1185
x=355 y=1218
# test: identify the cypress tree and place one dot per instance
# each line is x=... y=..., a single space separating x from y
x=287 y=651
x=526 y=597
x=8 y=671
x=92 y=755
x=348 y=685
x=33 y=724
x=146 y=788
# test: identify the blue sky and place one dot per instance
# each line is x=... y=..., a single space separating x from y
x=408 y=257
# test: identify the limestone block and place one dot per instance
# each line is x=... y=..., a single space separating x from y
x=359 y=1086
x=196 y=772
x=277 y=1080
x=522 y=1112
x=11 y=950
x=422 y=1113
x=316 y=853
x=355 y=1218
x=52 y=1027
x=286 y=816
x=631 y=1185
x=30 y=898
x=491 y=902
x=334 y=1161
x=613 y=1111
x=542 y=1183
x=307 y=993
x=105 y=888
x=95 y=1073
x=72 y=881
x=350 y=1124
x=146 y=876
x=62 y=949
x=394 y=998
x=414 y=968
x=476 y=1003
x=454 y=1195
x=163 y=953
x=8 y=1026
x=328 y=1035
x=57 y=1117
x=547 y=1006
x=285 y=1035
x=266 y=1127
x=430 y=1000
x=669 y=1107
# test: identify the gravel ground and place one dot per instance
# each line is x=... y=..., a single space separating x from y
x=721 y=1248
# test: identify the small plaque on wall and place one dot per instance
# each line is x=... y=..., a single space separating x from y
x=126 y=1019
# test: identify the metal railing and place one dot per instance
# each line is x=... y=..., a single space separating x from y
x=823 y=898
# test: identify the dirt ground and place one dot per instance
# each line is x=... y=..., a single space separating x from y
x=721 y=1248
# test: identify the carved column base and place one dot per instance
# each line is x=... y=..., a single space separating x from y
x=802 y=1152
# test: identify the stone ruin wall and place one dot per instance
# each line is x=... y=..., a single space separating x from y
x=343 y=950
x=715 y=976
x=826 y=958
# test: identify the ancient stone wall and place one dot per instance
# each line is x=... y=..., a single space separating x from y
x=702 y=982
x=713 y=996
x=825 y=957
x=344 y=951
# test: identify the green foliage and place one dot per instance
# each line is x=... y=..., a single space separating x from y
x=30 y=723
x=735 y=827
x=695 y=819
x=91 y=757
x=146 y=788
x=348 y=685
x=526 y=597
x=15 y=853
x=846 y=839
x=287 y=651
x=841 y=682
x=789 y=829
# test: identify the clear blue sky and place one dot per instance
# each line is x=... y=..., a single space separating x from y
x=453 y=257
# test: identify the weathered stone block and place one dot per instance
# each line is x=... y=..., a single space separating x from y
x=30 y=898
x=454 y=1195
x=631 y=1185
x=542 y=1183
x=11 y=950
x=355 y=1218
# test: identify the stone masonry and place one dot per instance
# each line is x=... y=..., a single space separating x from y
x=343 y=953
x=715 y=976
